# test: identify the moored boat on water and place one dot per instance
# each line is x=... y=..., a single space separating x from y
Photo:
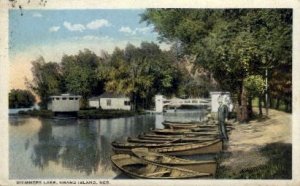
x=131 y=145
x=179 y=126
x=178 y=139
x=208 y=147
x=137 y=168
x=208 y=166
x=193 y=148
x=191 y=126
x=142 y=139
x=185 y=131
x=172 y=136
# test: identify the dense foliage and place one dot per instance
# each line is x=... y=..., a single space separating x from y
x=21 y=98
x=231 y=43
x=138 y=72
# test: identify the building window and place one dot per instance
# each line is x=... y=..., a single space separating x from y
x=76 y=98
x=108 y=102
x=126 y=102
x=57 y=98
x=71 y=98
x=64 y=98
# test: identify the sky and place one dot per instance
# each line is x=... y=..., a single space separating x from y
x=52 y=33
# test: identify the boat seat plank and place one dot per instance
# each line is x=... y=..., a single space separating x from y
x=158 y=173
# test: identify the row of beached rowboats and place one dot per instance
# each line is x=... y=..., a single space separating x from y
x=154 y=154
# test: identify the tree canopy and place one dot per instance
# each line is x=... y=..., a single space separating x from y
x=21 y=98
x=231 y=43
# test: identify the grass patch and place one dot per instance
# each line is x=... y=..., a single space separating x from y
x=38 y=113
x=104 y=114
x=279 y=165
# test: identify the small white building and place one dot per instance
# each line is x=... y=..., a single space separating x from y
x=111 y=101
x=64 y=103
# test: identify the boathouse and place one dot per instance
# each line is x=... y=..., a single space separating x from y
x=110 y=101
x=64 y=103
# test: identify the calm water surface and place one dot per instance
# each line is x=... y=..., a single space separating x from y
x=72 y=148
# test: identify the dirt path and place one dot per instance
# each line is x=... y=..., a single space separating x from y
x=246 y=140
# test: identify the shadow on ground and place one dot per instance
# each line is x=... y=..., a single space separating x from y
x=278 y=166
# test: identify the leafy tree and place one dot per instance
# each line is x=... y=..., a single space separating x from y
x=232 y=43
x=21 y=98
x=79 y=74
x=46 y=80
x=141 y=72
x=255 y=86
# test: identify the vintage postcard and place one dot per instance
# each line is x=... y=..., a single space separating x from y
x=132 y=92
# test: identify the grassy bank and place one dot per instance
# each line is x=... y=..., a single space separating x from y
x=83 y=114
x=278 y=166
x=37 y=113
x=104 y=114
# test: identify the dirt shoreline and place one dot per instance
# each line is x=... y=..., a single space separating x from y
x=243 y=150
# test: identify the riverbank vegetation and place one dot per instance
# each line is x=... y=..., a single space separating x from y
x=20 y=99
x=104 y=114
x=233 y=50
x=37 y=113
x=83 y=114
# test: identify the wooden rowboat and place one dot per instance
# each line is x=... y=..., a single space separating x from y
x=179 y=126
x=167 y=140
x=208 y=147
x=192 y=126
x=182 y=139
x=137 y=168
x=184 y=131
x=179 y=122
x=165 y=136
x=131 y=145
x=209 y=123
x=209 y=166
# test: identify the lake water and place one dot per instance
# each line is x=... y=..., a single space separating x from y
x=73 y=148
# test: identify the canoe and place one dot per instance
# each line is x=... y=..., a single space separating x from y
x=208 y=147
x=209 y=166
x=167 y=140
x=137 y=168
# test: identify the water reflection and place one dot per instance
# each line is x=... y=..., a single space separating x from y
x=58 y=148
x=47 y=148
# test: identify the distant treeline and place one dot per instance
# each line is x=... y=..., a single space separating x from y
x=138 y=72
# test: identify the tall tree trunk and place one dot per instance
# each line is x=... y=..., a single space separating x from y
x=260 y=105
x=243 y=116
x=277 y=103
x=286 y=105
x=249 y=107
x=271 y=102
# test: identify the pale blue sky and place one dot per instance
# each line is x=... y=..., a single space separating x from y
x=52 y=33
x=41 y=27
